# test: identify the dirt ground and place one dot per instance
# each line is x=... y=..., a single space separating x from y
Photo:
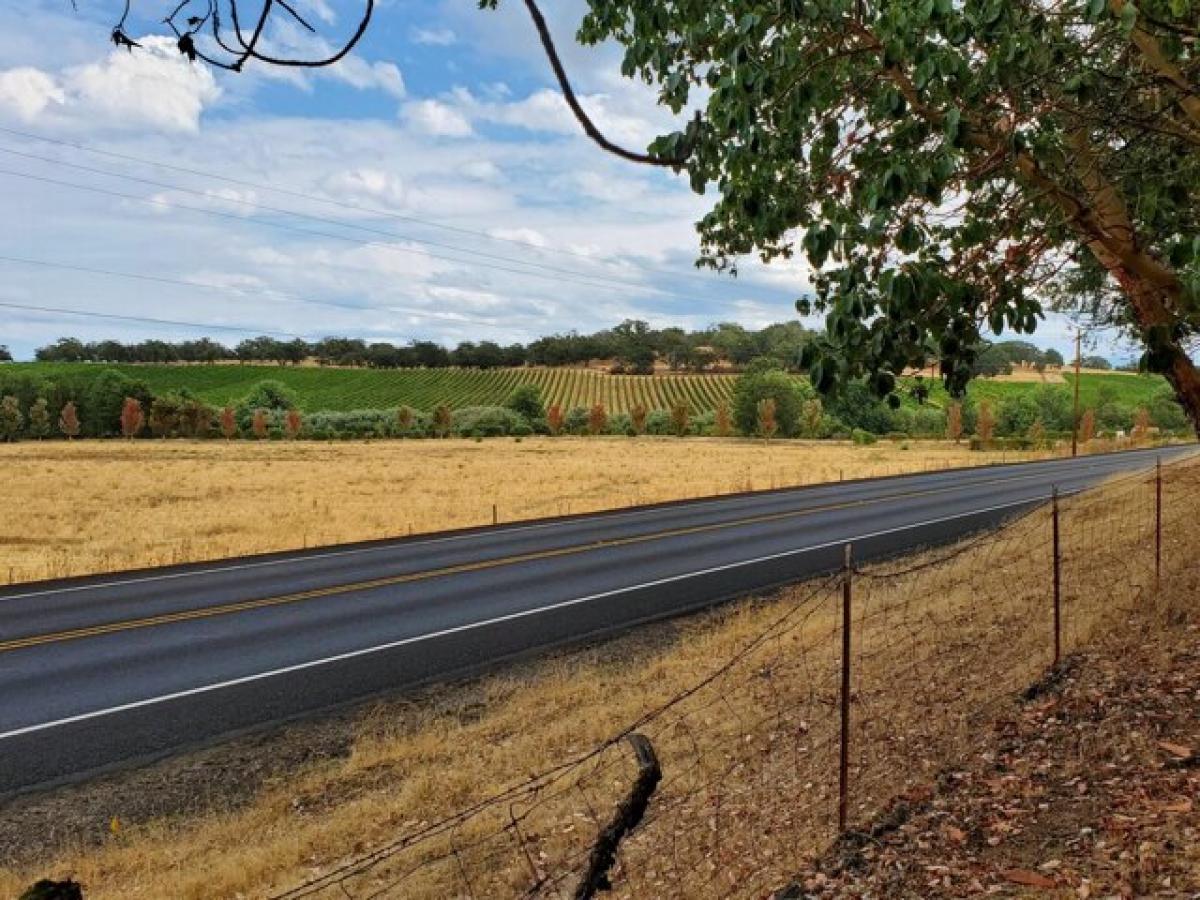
x=1088 y=788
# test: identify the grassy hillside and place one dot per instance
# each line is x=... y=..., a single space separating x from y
x=348 y=389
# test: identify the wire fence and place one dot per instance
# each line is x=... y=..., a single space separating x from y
x=865 y=687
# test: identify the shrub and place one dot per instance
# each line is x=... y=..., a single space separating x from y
x=597 y=421
x=486 y=421
x=858 y=407
x=11 y=419
x=658 y=422
x=195 y=417
x=862 y=437
x=39 y=418
x=68 y=420
x=164 y=415
x=637 y=419
x=758 y=384
x=555 y=419
x=1037 y=434
x=680 y=415
x=404 y=421
x=132 y=418
x=576 y=421
x=526 y=401
x=442 y=421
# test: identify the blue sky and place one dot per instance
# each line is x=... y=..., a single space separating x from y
x=432 y=186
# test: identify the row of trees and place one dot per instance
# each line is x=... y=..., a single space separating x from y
x=633 y=346
x=766 y=401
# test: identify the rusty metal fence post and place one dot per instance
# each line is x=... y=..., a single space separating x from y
x=1158 y=524
x=844 y=760
x=1057 y=581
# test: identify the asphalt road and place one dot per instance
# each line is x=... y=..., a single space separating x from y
x=102 y=672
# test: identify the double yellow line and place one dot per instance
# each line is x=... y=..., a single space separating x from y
x=208 y=612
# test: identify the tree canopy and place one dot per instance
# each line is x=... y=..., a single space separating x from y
x=947 y=167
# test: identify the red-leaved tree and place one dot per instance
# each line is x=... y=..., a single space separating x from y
x=68 y=420
x=132 y=418
x=228 y=420
x=292 y=423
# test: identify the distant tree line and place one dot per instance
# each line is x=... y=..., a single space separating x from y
x=633 y=347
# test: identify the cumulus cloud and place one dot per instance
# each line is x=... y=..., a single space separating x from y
x=370 y=184
x=155 y=87
x=28 y=91
x=435 y=118
x=358 y=73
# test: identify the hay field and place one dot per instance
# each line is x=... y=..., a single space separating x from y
x=747 y=739
x=75 y=508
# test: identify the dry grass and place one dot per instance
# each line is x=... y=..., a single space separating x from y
x=940 y=641
x=84 y=507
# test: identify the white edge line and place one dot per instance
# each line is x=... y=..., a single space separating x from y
x=391 y=645
x=294 y=556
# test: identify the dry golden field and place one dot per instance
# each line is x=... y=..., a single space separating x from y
x=99 y=506
x=747 y=738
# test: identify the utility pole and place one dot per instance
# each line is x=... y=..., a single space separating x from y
x=1075 y=417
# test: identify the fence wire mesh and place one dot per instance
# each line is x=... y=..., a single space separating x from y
x=749 y=753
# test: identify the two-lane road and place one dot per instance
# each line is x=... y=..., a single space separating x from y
x=101 y=671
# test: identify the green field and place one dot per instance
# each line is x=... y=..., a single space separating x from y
x=319 y=389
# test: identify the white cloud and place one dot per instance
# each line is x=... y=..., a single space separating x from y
x=481 y=170
x=155 y=86
x=524 y=235
x=359 y=73
x=435 y=118
x=435 y=37
x=367 y=184
x=28 y=91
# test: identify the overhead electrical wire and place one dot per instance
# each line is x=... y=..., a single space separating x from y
x=270 y=293
x=342 y=204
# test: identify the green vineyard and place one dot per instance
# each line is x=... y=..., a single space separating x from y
x=340 y=390
x=347 y=389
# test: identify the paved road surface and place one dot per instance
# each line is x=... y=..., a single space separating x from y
x=103 y=671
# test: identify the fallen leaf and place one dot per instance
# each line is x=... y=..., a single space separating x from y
x=1176 y=749
x=1030 y=879
x=1178 y=806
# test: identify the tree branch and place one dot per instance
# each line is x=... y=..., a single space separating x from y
x=589 y=127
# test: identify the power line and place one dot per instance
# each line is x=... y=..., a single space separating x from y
x=92 y=314
x=153 y=201
x=341 y=204
x=593 y=280
x=270 y=293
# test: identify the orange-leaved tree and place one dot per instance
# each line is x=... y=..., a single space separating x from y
x=68 y=420
x=132 y=418
x=229 y=425
x=597 y=419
